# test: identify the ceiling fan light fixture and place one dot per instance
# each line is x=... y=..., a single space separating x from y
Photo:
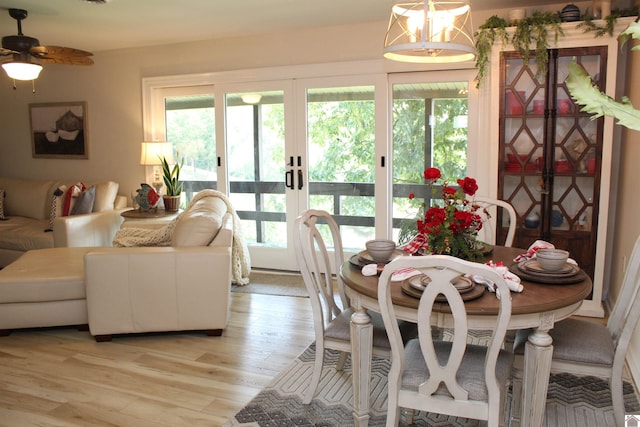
x=430 y=31
x=22 y=70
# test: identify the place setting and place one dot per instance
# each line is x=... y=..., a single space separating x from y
x=378 y=253
x=469 y=289
x=543 y=263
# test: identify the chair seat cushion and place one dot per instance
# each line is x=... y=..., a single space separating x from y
x=470 y=376
x=582 y=341
x=340 y=329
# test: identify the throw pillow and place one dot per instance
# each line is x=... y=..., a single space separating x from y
x=72 y=193
x=84 y=202
x=54 y=207
x=2 y=218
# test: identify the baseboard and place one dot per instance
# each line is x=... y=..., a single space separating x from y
x=591 y=308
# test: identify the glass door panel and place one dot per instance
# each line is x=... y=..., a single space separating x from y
x=188 y=122
x=340 y=126
x=255 y=143
x=429 y=130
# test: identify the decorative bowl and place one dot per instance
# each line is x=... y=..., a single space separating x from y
x=380 y=250
x=552 y=259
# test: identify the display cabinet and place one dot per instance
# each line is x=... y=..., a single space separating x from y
x=554 y=163
x=550 y=152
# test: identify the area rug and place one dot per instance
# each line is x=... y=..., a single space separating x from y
x=268 y=283
x=571 y=401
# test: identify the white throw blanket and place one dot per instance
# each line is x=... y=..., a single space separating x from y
x=240 y=260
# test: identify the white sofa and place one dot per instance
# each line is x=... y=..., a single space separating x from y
x=185 y=286
x=119 y=290
x=27 y=208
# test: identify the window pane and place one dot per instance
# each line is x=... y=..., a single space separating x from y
x=190 y=127
x=255 y=146
x=341 y=142
x=429 y=130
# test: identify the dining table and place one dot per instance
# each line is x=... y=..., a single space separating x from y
x=540 y=304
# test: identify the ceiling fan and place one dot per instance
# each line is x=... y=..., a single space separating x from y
x=23 y=49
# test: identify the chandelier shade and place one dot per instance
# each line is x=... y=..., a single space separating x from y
x=19 y=70
x=430 y=32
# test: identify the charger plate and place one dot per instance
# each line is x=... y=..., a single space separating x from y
x=548 y=278
x=366 y=258
x=363 y=258
x=468 y=290
x=533 y=266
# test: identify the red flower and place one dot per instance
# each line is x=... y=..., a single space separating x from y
x=432 y=174
x=448 y=191
x=468 y=185
x=451 y=225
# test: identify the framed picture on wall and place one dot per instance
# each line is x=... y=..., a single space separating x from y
x=59 y=130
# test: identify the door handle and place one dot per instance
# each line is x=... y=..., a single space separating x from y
x=288 y=179
x=299 y=179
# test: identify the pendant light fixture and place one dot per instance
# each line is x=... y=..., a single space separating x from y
x=430 y=32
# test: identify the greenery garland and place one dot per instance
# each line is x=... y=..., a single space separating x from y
x=535 y=30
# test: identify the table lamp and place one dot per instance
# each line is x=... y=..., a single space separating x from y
x=151 y=154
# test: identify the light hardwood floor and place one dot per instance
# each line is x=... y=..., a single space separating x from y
x=62 y=377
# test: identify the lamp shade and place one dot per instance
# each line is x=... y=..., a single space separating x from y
x=430 y=31
x=22 y=70
x=152 y=153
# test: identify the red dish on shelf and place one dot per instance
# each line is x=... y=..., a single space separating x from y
x=513 y=158
x=563 y=166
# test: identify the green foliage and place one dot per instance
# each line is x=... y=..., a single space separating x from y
x=532 y=30
x=171 y=177
x=588 y=24
x=599 y=104
x=493 y=29
x=192 y=132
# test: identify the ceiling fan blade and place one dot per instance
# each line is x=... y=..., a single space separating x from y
x=66 y=60
x=58 y=51
x=61 y=55
x=5 y=52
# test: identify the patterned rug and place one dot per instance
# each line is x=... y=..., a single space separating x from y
x=571 y=401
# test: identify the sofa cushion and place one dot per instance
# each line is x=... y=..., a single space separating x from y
x=84 y=202
x=23 y=234
x=55 y=274
x=200 y=224
x=28 y=198
x=106 y=193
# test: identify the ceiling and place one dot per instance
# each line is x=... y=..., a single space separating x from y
x=120 y=24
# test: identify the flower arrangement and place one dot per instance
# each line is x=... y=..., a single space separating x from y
x=451 y=227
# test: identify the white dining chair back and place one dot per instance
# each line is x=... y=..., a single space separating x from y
x=331 y=322
x=447 y=377
x=490 y=226
x=584 y=347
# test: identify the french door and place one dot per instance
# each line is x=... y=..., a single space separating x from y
x=282 y=159
x=280 y=147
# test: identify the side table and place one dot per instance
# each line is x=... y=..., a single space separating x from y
x=154 y=218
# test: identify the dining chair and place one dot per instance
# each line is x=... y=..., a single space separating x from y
x=491 y=206
x=448 y=377
x=589 y=348
x=331 y=321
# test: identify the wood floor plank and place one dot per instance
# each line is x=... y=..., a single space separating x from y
x=62 y=377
